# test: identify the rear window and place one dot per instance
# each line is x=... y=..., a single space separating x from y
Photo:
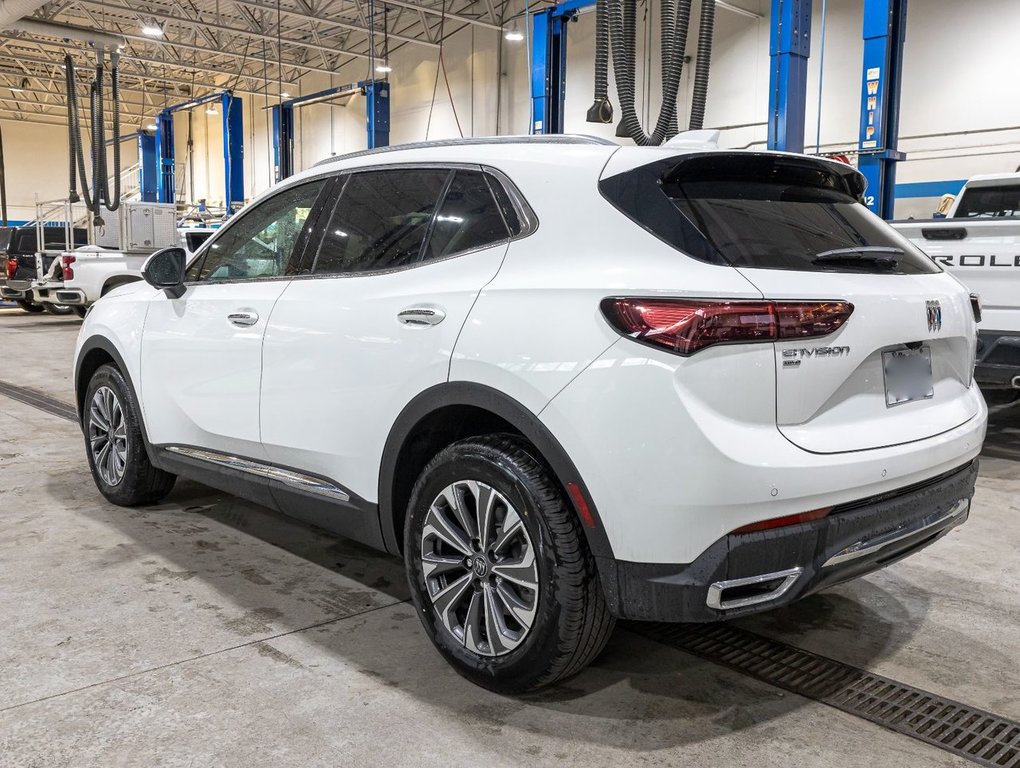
x=763 y=212
x=990 y=202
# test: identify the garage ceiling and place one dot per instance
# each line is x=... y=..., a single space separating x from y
x=259 y=47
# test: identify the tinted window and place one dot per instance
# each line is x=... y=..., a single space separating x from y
x=262 y=242
x=5 y=237
x=468 y=218
x=380 y=220
x=513 y=221
x=195 y=239
x=999 y=202
x=764 y=212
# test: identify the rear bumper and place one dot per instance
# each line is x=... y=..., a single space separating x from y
x=998 y=359
x=70 y=296
x=747 y=573
x=13 y=294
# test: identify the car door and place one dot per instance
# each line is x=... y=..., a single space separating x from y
x=403 y=257
x=202 y=353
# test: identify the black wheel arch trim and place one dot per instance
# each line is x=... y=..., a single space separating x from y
x=105 y=345
x=506 y=408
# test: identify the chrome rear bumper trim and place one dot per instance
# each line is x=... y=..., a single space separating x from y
x=288 y=477
x=866 y=547
x=715 y=592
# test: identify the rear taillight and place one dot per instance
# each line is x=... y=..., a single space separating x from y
x=685 y=326
x=780 y=522
x=12 y=268
x=67 y=261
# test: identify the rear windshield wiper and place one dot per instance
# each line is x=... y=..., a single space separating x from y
x=885 y=256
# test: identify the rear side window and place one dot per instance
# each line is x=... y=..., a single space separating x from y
x=763 y=212
x=992 y=202
x=24 y=241
x=381 y=220
x=469 y=218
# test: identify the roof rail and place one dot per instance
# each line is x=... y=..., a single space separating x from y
x=557 y=138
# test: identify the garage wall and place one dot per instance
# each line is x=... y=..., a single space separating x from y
x=958 y=100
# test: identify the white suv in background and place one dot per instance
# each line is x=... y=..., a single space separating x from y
x=566 y=381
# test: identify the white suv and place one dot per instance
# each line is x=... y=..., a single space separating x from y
x=567 y=381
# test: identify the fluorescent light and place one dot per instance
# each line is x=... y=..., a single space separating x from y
x=285 y=95
x=211 y=111
x=151 y=127
x=16 y=90
x=514 y=34
x=152 y=30
x=383 y=67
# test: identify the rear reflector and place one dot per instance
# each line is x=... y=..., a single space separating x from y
x=779 y=522
x=685 y=326
x=577 y=496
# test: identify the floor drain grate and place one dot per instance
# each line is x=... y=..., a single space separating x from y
x=39 y=400
x=975 y=734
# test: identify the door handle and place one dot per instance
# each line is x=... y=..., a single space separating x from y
x=421 y=316
x=243 y=318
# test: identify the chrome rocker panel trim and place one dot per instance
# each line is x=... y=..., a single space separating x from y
x=288 y=477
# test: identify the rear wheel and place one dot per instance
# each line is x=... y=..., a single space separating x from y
x=58 y=309
x=28 y=306
x=499 y=568
x=113 y=440
x=81 y=312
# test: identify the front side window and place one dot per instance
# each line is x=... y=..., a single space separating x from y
x=381 y=220
x=263 y=242
x=469 y=218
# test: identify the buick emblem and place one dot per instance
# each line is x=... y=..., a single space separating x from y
x=934 y=310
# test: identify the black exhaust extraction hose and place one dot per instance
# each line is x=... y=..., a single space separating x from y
x=98 y=151
x=113 y=203
x=704 y=60
x=72 y=120
x=675 y=21
x=601 y=110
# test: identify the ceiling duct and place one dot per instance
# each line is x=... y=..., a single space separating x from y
x=12 y=10
x=67 y=32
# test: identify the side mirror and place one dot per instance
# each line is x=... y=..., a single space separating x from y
x=165 y=270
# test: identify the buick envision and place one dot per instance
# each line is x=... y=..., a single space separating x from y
x=566 y=381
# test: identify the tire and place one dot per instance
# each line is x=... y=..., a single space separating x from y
x=81 y=312
x=124 y=474
x=58 y=309
x=570 y=622
x=30 y=307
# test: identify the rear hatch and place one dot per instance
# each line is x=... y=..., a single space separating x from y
x=899 y=369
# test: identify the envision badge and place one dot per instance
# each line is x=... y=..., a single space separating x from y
x=934 y=310
x=792 y=357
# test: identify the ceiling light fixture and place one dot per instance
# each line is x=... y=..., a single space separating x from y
x=151 y=127
x=514 y=34
x=152 y=30
x=383 y=67
x=284 y=95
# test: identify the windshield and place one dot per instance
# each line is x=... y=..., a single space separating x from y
x=763 y=212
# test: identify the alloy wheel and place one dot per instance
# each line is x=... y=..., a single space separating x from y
x=107 y=435
x=480 y=568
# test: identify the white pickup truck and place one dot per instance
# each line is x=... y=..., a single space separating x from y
x=979 y=242
x=81 y=277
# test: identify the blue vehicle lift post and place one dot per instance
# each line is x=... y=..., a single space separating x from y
x=549 y=64
x=885 y=24
x=233 y=148
x=377 y=119
x=789 y=49
x=148 y=163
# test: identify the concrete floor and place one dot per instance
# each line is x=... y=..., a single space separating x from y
x=207 y=631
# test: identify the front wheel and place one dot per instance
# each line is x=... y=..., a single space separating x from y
x=113 y=441
x=499 y=568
